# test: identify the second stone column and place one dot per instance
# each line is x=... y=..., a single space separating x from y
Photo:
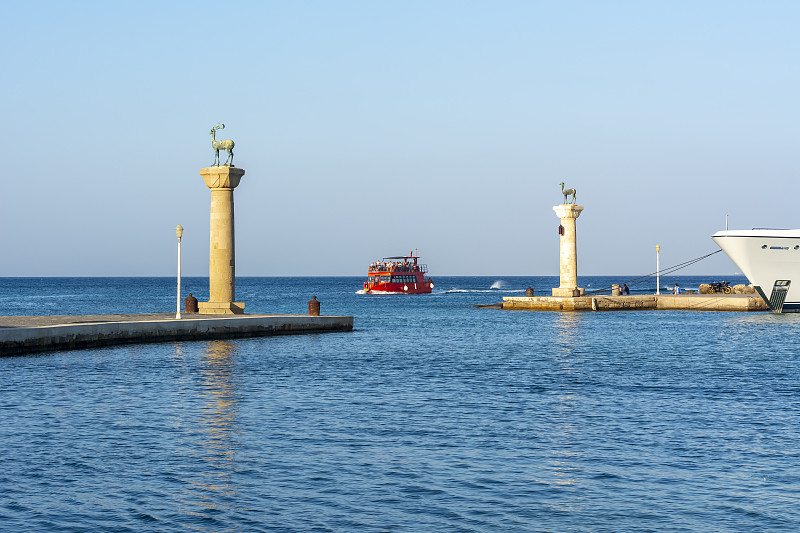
x=568 y=250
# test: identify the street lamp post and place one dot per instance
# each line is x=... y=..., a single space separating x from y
x=179 y=233
x=658 y=271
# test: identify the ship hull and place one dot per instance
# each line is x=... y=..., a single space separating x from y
x=771 y=261
x=399 y=283
x=394 y=288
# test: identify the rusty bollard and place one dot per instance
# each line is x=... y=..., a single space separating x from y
x=313 y=307
x=529 y=292
x=190 y=304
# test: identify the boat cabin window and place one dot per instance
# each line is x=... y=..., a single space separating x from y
x=385 y=279
x=404 y=279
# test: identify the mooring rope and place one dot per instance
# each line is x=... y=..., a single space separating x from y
x=652 y=275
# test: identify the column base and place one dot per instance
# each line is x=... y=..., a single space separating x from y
x=567 y=292
x=220 y=308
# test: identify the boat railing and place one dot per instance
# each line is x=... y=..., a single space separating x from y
x=382 y=268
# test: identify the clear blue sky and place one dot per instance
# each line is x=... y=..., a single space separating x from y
x=372 y=128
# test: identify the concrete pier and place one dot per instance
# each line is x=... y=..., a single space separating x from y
x=28 y=334
x=674 y=302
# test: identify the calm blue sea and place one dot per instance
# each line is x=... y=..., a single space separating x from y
x=432 y=415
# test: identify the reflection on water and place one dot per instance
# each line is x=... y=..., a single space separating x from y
x=567 y=326
x=564 y=455
x=749 y=319
x=217 y=429
x=219 y=414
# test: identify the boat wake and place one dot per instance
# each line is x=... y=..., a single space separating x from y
x=497 y=286
x=454 y=291
x=448 y=291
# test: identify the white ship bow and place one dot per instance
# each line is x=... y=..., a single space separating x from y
x=770 y=258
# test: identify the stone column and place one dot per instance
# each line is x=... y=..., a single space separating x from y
x=568 y=213
x=222 y=254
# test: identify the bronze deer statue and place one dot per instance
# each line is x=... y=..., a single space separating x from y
x=568 y=192
x=226 y=145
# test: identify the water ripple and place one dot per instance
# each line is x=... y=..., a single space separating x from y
x=431 y=416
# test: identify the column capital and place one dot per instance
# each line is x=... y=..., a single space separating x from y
x=568 y=210
x=222 y=177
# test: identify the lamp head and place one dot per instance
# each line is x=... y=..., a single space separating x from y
x=179 y=231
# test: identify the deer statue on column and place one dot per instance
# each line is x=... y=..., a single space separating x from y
x=226 y=145
x=568 y=192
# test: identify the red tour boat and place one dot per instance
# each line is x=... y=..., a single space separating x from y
x=398 y=275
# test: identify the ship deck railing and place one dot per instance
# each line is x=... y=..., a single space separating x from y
x=420 y=268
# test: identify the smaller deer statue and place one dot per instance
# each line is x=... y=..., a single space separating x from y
x=568 y=192
x=227 y=145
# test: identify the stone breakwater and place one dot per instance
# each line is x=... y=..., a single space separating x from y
x=673 y=302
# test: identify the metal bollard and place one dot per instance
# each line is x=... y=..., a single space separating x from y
x=313 y=307
x=529 y=292
x=190 y=304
